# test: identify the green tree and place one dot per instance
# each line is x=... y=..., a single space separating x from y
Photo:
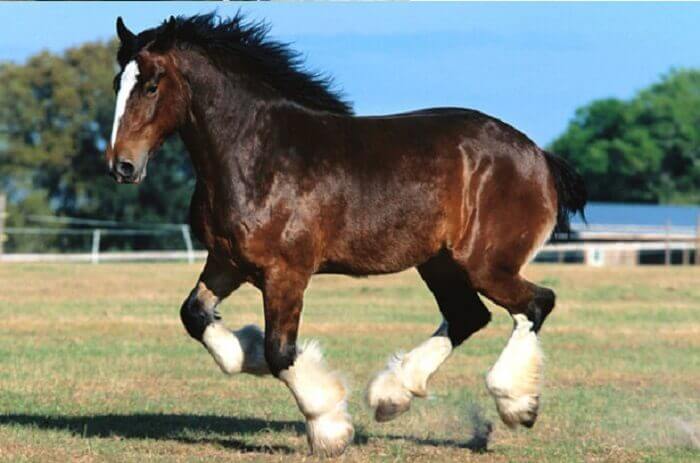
x=646 y=149
x=55 y=120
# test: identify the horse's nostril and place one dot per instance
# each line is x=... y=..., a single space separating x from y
x=125 y=168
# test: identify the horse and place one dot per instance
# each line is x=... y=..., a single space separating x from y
x=290 y=184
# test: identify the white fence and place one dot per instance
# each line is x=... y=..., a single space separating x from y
x=82 y=240
x=96 y=258
x=602 y=245
x=596 y=245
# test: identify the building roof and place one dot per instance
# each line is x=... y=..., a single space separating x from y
x=639 y=214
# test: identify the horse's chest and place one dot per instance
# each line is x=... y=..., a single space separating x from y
x=223 y=231
x=201 y=223
x=207 y=220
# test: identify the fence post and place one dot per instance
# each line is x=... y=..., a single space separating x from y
x=3 y=214
x=188 y=242
x=697 y=241
x=95 y=256
x=667 y=251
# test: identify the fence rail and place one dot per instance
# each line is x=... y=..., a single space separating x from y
x=88 y=257
x=586 y=249
x=96 y=236
x=594 y=244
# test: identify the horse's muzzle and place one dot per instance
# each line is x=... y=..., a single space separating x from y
x=126 y=171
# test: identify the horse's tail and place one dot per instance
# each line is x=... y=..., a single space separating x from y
x=571 y=190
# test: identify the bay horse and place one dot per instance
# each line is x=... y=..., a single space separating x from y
x=291 y=184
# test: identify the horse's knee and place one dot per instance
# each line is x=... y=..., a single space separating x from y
x=196 y=315
x=279 y=356
x=478 y=320
x=460 y=329
x=540 y=307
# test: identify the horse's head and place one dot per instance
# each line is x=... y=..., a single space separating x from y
x=151 y=104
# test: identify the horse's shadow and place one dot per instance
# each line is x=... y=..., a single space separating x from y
x=475 y=444
x=186 y=428
x=180 y=428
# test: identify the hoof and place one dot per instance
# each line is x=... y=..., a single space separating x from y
x=522 y=410
x=388 y=396
x=387 y=411
x=330 y=434
x=530 y=423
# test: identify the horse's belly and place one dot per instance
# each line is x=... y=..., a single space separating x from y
x=393 y=247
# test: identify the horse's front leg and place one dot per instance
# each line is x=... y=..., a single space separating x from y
x=234 y=351
x=320 y=394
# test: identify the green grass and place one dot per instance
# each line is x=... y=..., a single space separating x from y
x=95 y=366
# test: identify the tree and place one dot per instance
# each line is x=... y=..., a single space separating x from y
x=646 y=149
x=55 y=120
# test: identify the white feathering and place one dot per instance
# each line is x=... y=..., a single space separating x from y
x=236 y=351
x=406 y=376
x=515 y=379
x=321 y=396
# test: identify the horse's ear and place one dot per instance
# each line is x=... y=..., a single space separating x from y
x=170 y=25
x=125 y=35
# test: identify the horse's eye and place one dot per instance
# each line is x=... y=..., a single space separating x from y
x=151 y=88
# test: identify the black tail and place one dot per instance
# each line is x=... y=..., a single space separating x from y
x=571 y=191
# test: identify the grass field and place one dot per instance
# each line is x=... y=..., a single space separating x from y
x=94 y=366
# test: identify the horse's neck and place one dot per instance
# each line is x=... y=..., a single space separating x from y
x=226 y=122
x=216 y=165
x=220 y=119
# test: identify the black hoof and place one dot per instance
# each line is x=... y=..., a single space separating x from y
x=387 y=411
x=529 y=423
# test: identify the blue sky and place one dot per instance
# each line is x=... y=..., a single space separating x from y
x=531 y=65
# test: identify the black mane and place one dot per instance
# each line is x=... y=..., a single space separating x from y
x=237 y=40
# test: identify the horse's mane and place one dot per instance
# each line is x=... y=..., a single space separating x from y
x=236 y=40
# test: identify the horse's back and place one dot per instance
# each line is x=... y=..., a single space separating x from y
x=428 y=112
x=416 y=181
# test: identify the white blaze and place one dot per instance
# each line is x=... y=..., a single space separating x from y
x=127 y=83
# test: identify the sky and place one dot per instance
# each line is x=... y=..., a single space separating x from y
x=529 y=64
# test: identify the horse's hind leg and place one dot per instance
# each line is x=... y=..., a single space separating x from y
x=406 y=376
x=515 y=379
x=234 y=351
